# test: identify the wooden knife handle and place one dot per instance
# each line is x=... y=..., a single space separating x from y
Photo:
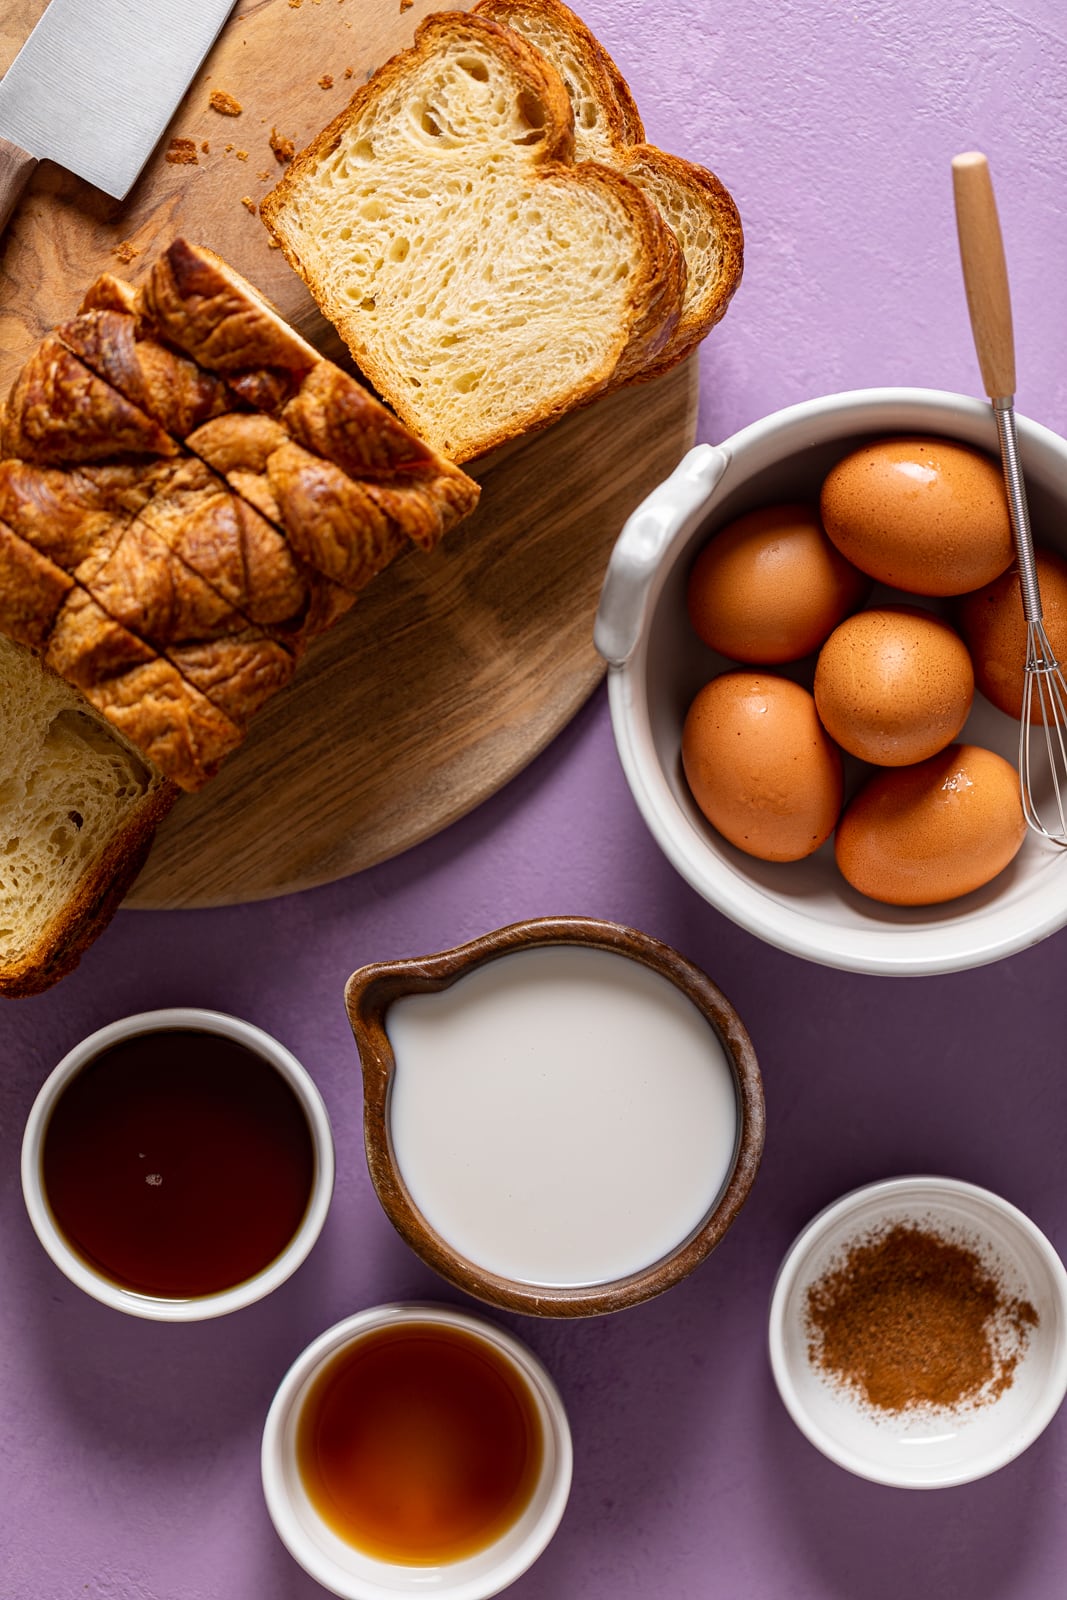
x=985 y=273
x=17 y=167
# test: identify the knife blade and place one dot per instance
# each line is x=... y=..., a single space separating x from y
x=94 y=86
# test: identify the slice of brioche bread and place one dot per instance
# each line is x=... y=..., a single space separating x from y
x=607 y=128
x=78 y=809
x=483 y=282
x=704 y=219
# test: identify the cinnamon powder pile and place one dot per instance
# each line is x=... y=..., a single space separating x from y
x=911 y=1319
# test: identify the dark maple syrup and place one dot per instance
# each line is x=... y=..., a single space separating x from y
x=178 y=1163
x=419 y=1444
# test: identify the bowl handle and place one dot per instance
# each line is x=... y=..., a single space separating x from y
x=641 y=544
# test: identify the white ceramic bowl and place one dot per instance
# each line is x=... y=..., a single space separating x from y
x=160 y=1309
x=656 y=665
x=347 y=1571
x=939 y=1449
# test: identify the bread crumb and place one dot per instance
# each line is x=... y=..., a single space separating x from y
x=263 y=176
x=274 y=244
x=205 y=147
x=326 y=81
x=229 y=147
x=182 y=152
x=249 y=204
x=126 y=251
x=406 y=5
x=348 y=72
x=242 y=155
x=284 y=149
x=296 y=4
x=225 y=104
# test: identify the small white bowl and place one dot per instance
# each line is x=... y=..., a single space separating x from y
x=347 y=1571
x=657 y=664
x=201 y=1307
x=939 y=1448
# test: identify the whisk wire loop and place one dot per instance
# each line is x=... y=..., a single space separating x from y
x=1044 y=706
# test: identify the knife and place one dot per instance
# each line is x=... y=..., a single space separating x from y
x=94 y=86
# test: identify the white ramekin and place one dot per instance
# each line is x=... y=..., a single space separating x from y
x=913 y=1450
x=350 y=1573
x=201 y=1307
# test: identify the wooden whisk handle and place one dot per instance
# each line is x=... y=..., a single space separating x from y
x=985 y=272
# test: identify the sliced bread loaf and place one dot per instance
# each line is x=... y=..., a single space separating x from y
x=699 y=210
x=78 y=809
x=484 y=283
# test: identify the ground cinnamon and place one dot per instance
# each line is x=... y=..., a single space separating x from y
x=909 y=1319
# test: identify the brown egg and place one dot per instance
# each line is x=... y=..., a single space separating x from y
x=893 y=685
x=760 y=765
x=770 y=586
x=916 y=836
x=924 y=515
x=995 y=630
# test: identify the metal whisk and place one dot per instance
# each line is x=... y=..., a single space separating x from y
x=1042 y=774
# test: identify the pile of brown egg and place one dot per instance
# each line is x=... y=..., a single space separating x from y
x=890 y=684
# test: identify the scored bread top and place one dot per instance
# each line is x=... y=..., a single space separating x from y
x=32 y=590
x=216 y=316
x=58 y=407
x=170 y=548
x=483 y=282
x=191 y=297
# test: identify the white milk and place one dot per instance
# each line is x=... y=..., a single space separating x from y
x=561 y=1116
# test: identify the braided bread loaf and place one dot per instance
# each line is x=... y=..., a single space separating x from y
x=188 y=494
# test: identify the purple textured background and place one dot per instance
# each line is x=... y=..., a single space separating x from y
x=129 y=1452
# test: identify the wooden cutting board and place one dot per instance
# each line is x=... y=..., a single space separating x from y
x=454 y=669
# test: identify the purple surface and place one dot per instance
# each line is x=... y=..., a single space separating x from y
x=129 y=1451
